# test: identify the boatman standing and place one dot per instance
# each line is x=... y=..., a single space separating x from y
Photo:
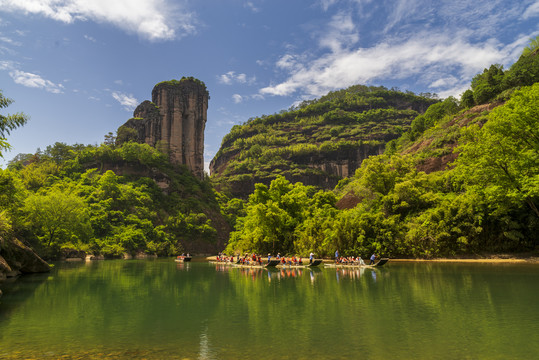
x=373 y=257
x=337 y=256
x=311 y=258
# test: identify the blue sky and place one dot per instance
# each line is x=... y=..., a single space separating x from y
x=78 y=68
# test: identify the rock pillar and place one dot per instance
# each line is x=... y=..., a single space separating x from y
x=175 y=121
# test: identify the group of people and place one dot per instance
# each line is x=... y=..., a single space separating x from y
x=247 y=259
x=256 y=259
x=294 y=260
x=353 y=260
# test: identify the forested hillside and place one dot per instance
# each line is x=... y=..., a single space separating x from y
x=108 y=200
x=319 y=142
x=463 y=179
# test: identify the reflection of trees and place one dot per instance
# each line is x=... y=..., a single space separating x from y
x=157 y=307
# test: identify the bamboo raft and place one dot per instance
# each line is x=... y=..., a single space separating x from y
x=380 y=263
x=315 y=263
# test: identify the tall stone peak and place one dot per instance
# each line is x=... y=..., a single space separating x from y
x=174 y=122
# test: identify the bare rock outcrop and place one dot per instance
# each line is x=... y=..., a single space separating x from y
x=173 y=122
x=17 y=258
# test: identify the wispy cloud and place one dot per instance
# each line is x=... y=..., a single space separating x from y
x=10 y=41
x=237 y=98
x=325 y=4
x=454 y=46
x=532 y=10
x=251 y=6
x=89 y=38
x=150 y=19
x=128 y=101
x=35 y=81
x=30 y=79
x=341 y=33
x=232 y=77
x=427 y=57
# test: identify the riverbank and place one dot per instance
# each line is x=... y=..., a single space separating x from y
x=493 y=258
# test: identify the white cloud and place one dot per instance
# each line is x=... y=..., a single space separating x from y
x=237 y=98
x=378 y=41
x=427 y=56
x=444 y=82
x=231 y=77
x=341 y=33
x=10 y=41
x=35 y=81
x=531 y=11
x=150 y=19
x=6 y=65
x=128 y=101
x=89 y=38
x=249 y=5
x=325 y=4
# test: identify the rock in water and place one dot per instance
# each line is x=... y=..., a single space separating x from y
x=17 y=258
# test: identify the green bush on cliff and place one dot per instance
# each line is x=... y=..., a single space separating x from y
x=356 y=120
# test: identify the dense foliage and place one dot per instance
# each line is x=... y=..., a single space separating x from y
x=8 y=122
x=349 y=123
x=456 y=177
x=486 y=201
x=68 y=198
x=495 y=84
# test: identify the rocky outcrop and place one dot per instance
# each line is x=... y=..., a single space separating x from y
x=322 y=170
x=17 y=258
x=173 y=122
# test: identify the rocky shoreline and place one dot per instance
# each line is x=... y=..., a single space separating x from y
x=17 y=258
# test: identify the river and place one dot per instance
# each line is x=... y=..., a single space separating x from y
x=160 y=309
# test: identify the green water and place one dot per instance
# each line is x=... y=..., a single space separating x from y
x=164 y=310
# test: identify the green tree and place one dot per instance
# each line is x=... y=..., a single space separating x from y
x=8 y=122
x=467 y=99
x=532 y=47
x=57 y=216
x=503 y=156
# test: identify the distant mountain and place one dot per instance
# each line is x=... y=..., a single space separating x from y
x=318 y=142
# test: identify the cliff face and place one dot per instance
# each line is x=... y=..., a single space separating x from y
x=174 y=122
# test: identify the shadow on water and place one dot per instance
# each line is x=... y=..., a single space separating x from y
x=17 y=290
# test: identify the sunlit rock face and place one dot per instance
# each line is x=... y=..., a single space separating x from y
x=174 y=122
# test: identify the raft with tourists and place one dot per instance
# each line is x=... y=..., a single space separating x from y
x=183 y=258
x=355 y=263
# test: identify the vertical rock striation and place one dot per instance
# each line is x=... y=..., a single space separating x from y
x=174 y=122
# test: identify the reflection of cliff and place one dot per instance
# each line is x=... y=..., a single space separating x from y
x=173 y=122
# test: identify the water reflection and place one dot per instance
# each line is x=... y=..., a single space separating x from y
x=161 y=310
x=205 y=352
x=183 y=265
x=270 y=274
